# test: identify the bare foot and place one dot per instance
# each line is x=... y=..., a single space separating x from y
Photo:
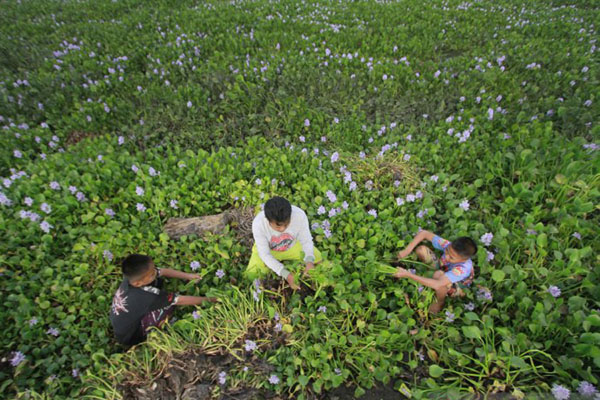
x=436 y=307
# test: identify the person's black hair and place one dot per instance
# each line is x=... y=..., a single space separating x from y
x=465 y=246
x=135 y=265
x=278 y=209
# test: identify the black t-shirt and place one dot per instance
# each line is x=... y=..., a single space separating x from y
x=135 y=309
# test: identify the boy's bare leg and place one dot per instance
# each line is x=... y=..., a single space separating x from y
x=440 y=295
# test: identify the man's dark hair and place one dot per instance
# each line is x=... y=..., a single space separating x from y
x=135 y=265
x=278 y=209
x=465 y=246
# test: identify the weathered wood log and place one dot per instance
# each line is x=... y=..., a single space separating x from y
x=240 y=219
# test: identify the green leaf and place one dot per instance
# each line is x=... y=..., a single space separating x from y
x=435 y=371
x=303 y=380
x=542 y=240
x=472 y=332
x=498 y=275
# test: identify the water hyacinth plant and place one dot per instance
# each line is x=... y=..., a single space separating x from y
x=115 y=121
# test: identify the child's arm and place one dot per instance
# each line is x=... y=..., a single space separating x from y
x=171 y=273
x=193 y=300
x=435 y=284
x=418 y=239
x=305 y=239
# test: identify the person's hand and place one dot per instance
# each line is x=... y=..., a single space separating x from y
x=400 y=273
x=403 y=254
x=195 y=277
x=309 y=266
x=290 y=280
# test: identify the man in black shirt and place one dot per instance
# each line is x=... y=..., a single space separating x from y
x=140 y=303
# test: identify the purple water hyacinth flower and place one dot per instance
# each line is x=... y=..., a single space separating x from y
x=484 y=295
x=331 y=196
x=153 y=172
x=250 y=345
x=419 y=194
x=369 y=185
x=322 y=309
x=397 y=183
x=189 y=104
x=140 y=207
x=194 y=265
x=434 y=178
x=75 y=373
x=487 y=238
x=54 y=185
x=560 y=392
x=32 y=321
x=352 y=186
x=334 y=157
x=406 y=157
x=469 y=306
x=222 y=377
x=107 y=255
x=139 y=191
x=307 y=122
x=134 y=168
x=531 y=232
x=120 y=140
x=302 y=139
x=332 y=212
x=323 y=139
x=337 y=371
x=17 y=358
x=73 y=189
x=45 y=226
x=220 y=273
x=587 y=104
x=490 y=256
x=399 y=201
x=586 y=389
x=53 y=331
x=362 y=155
x=373 y=212
x=274 y=379
x=321 y=210
x=410 y=198
x=554 y=291
x=336 y=120
x=80 y=197
x=195 y=315
x=17 y=154
x=173 y=204
x=315 y=226
x=464 y=205
x=109 y=212
x=327 y=233
x=345 y=205
x=490 y=113
x=449 y=316
x=28 y=201
x=576 y=235
x=278 y=327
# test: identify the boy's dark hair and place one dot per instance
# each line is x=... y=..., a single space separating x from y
x=278 y=209
x=135 y=265
x=465 y=246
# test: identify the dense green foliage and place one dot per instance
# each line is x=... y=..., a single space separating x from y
x=220 y=104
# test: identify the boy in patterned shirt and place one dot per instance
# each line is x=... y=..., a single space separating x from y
x=455 y=268
x=140 y=303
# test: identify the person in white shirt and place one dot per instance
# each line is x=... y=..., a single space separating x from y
x=281 y=232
